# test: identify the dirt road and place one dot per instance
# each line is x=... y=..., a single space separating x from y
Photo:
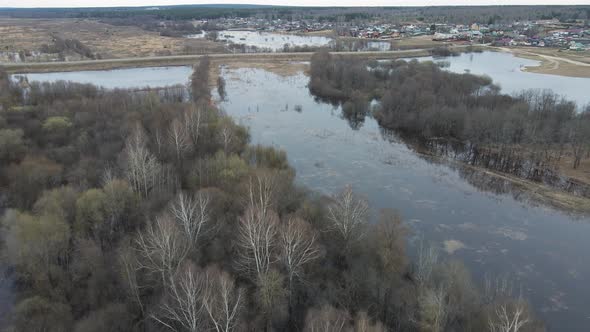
x=551 y=64
x=191 y=59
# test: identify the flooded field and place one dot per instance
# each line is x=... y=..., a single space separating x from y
x=270 y=40
x=464 y=214
x=503 y=68
x=131 y=78
x=480 y=220
x=506 y=71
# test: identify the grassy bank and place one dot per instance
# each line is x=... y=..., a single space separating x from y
x=553 y=61
x=535 y=192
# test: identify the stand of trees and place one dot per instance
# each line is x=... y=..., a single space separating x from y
x=461 y=115
x=63 y=46
x=142 y=211
x=357 y=15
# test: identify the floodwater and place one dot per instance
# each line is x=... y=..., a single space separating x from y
x=270 y=40
x=483 y=221
x=505 y=70
x=276 y=41
x=379 y=45
x=129 y=78
x=476 y=219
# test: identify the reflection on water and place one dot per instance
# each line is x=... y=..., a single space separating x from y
x=506 y=71
x=270 y=40
x=479 y=219
x=451 y=206
x=503 y=68
x=129 y=78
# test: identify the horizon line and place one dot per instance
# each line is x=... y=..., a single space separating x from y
x=236 y=5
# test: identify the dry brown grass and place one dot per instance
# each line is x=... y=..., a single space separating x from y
x=417 y=42
x=281 y=68
x=554 y=61
x=325 y=33
x=581 y=174
x=582 y=56
x=106 y=40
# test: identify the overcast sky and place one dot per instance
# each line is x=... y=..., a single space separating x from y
x=116 y=3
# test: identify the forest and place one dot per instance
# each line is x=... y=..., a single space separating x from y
x=448 y=14
x=150 y=211
x=462 y=115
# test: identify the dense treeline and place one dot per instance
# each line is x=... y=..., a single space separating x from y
x=454 y=14
x=64 y=46
x=460 y=114
x=147 y=211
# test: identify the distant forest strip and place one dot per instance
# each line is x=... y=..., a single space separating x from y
x=462 y=115
x=150 y=211
x=458 y=14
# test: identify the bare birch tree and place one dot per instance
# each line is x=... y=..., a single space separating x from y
x=162 y=247
x=427 y=260
x=129 y=270
x=159 y=140
x=142 y=167
x=257 y=231
x=260 y=196
x=179 y=138
x=182 y=305
x=226 y=133
x=326 y=319
x=497 y=288
x=363 y=323
x=192 y=215
x=222 y=300
x=193 y=122
x=348 y=215
x=298 y=247
x=510 y=316
x=433 y=309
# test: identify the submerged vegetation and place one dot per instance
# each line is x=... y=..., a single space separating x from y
x=147 y=211
x=462 y=115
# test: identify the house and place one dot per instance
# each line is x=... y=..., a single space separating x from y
x=444 y=36
x=574 y=46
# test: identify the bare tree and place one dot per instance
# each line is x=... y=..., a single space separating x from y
x=579 y=137
x=363 y=323
x=257 y=232
x=162 y=247
x=192 y=120
x=159 y=141
x=433 y=309
x=182 y=305
x=222 y=300
x=326 y=319
x=298 y=247
x=142 y=167
x=261 y=189
x=510 y=316
x=226 y=134
x=179 y=138
x=497 y=288
x=462 y=295
x=192 y=215
x=348 y=215
x=129 y=269
x=427 y=260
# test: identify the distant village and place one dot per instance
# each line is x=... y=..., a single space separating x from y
x=541 y=33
